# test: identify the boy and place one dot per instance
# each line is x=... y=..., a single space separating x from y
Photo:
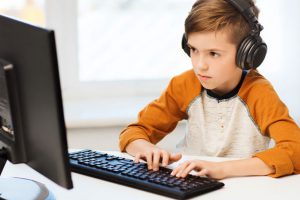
x=230 y=111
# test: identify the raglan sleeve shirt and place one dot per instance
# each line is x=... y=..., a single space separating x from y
x=265 y=108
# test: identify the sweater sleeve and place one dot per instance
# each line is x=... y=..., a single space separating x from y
x=273 y=119
x=161 y=116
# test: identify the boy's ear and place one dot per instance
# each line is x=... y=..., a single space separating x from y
x=184 y=45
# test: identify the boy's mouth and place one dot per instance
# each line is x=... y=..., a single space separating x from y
x=203 y=77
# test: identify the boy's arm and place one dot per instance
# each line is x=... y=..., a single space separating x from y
x=285 y=156
x=272 y=117
x=154 y=122
x=247 y=167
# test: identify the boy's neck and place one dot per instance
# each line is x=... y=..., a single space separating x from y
x=231 y=93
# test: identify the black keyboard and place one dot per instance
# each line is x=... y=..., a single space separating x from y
x=126 y=172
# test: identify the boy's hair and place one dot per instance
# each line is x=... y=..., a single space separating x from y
x=216 y=15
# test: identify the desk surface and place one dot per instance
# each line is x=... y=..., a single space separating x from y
x=256 y=187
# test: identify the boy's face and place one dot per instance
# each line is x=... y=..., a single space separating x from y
x=213 y=59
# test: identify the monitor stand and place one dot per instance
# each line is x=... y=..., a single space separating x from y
x=21 y=188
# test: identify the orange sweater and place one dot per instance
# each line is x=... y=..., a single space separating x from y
x=239 y=126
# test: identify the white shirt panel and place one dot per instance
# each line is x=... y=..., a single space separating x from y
x=221 y=128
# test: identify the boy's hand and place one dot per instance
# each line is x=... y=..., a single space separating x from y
x=155 y=156
x=142 y=149
x=210 y=169
x=219 y=170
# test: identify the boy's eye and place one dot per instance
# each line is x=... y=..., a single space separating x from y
x=214 y=54
x=192 y=49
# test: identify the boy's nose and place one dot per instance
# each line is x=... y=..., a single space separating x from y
x=201 y=64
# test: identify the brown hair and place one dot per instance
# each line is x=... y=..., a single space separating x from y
x=216 y=15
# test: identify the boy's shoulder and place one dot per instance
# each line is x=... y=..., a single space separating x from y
x=256 y=80
x=186 y=82
x=256 y=85
x=186 y=77
x=184 y=87
x=187 y=73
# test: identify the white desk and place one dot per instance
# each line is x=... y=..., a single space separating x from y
x=252 y=188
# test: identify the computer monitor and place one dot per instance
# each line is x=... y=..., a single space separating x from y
x=32 y=126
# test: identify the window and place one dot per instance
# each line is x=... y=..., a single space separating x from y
x=28 y=10
x=118 y=48
x=131 y=39
x=126 y=50
x=96 y=88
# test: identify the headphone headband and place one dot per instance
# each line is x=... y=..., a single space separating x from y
x=245 y=8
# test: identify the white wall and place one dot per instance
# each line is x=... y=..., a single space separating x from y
x=282 y=64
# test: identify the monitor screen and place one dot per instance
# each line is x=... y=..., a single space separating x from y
x=32 y=127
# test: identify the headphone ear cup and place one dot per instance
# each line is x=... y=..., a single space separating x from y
x=242 y=53
x=251 y=52
x=257 y=53
x=184 y=45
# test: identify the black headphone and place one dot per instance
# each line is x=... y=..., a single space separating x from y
x=252 y=49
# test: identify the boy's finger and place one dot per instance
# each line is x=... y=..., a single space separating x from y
x=137 y=158
x=178 y=169
x=175 y=171
x=203 y=172
x=156 y=158
x=149 y=157
x=187 y=170
x=181 y=168
x=165 y=158
x=175 y=157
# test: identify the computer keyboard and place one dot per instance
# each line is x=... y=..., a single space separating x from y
x=125 y=172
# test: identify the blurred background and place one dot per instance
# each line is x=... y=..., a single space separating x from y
x=115 y=56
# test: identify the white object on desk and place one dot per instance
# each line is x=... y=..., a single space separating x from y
x=246 y=188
